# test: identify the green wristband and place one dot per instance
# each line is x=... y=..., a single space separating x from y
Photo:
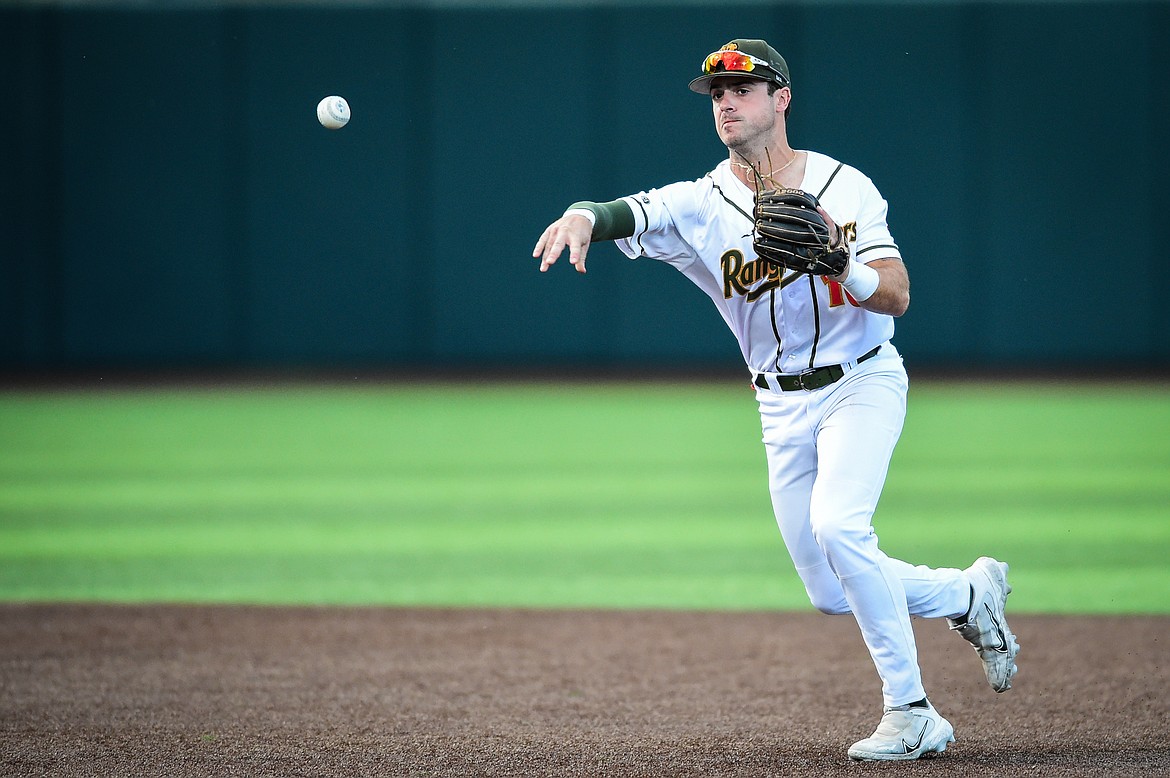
x=615 y=219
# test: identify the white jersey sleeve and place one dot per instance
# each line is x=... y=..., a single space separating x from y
x=660 y=215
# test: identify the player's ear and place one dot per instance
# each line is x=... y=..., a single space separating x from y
x=783 y=99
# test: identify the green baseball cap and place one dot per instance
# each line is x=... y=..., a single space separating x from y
x=743 y=58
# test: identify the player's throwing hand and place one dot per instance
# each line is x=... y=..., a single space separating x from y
x=573 y=231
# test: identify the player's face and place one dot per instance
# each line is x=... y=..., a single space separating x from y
x=745 y=114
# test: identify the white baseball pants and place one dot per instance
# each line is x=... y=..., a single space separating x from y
x=828 y=453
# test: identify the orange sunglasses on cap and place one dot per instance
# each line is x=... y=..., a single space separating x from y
x=732 y=60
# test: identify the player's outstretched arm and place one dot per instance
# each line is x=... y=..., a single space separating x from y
x=573 y=231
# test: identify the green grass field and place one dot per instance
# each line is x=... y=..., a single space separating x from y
x=541 y=495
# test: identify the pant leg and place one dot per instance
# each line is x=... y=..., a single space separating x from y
x=790 y=445
x=859 y=423
x=932 y=593
x=828 y=453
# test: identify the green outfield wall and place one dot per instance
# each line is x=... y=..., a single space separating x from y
x=169 y=199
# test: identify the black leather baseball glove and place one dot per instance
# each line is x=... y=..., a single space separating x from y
x=791 y=233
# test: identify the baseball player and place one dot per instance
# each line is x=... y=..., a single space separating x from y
x=830 y=385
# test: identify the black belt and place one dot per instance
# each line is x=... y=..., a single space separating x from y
x=813 y=378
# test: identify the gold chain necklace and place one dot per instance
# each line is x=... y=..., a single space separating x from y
x=771 y=173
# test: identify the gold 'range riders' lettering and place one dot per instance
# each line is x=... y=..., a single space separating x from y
x=739 y=276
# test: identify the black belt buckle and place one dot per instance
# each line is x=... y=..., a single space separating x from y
x=803 y=375
x=818 y=377
x=813 y=378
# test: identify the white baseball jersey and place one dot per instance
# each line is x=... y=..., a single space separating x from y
x=785 y=321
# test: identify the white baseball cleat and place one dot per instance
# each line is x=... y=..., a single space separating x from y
x=985 y=626
x=905 y=733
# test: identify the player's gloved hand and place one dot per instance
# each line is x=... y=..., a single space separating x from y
x=791 y=232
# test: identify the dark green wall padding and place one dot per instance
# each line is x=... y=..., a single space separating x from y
x=169 y=199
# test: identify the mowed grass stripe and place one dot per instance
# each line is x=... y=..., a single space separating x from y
x=579 y=495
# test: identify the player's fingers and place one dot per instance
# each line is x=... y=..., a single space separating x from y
x=577 y=252
x=543 y=242
x=548 y=249
x=562 y=234
x=552 y=253
x=536 y=252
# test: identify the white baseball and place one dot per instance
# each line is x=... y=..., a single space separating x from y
x=333 y=112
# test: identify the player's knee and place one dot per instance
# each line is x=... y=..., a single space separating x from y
x=848 y=547
x=824 y=590
x=832 y=536
x=831 y=603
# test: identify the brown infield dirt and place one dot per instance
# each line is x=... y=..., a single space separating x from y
x=109 y=690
